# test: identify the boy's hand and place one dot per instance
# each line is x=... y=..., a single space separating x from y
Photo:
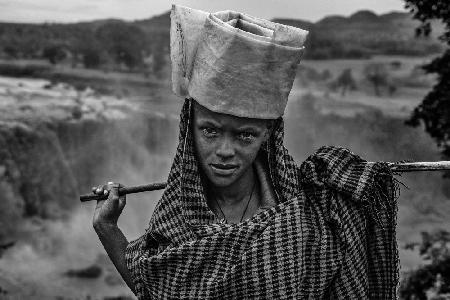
x=108 y=211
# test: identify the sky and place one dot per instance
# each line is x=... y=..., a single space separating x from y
x=84 y=10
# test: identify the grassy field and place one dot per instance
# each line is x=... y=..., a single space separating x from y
x=403 y=73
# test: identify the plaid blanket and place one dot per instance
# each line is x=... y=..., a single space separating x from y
x=330 y=236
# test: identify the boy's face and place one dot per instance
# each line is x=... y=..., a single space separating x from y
x=226 y=146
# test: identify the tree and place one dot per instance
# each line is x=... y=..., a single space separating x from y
x=345 y=81
x=91 y=53
x=432 y=280
x=11 y=51
x=54 y=53
x=434 y=111
x=159 y=59
x=91 y=57
x=87 y=49
x=377 y=75
x=124 y=42
x=326 y=74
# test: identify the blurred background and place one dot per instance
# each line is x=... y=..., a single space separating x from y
x=85 y=98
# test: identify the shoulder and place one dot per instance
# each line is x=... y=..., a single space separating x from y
x=358 y=200
x=338 y=177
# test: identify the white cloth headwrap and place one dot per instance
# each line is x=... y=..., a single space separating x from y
x=233 y=63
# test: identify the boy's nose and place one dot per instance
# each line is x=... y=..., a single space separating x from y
x=225 y=149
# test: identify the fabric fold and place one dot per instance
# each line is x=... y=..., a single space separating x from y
x=370 y=184
x=318 y=241
x=234 y=63
x=372 y=187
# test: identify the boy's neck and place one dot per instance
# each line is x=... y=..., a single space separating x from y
x=237 y=191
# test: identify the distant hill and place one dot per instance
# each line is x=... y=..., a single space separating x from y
x=160 y=23
x=358 y=36
x=364 y=34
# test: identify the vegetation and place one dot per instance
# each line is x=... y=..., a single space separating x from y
x=383 y=77
x=107 y=44
x=364 y=34
x=434 y=111
x=143 y=45
x=345 y=81
x=377 y=75
x=431 y=281
x=124 y=43
x=54 y=53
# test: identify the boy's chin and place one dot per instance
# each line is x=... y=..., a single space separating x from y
x=222 y=182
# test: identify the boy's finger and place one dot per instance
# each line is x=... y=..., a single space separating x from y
x=99 y=203
x=99 y=189
x=114 y=190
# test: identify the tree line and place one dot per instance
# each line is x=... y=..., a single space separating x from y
x=114 y=44
x=137 y=44
x=432 y=281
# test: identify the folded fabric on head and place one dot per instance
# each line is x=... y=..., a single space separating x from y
x=233 y=63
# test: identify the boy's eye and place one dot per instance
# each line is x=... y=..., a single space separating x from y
x=246 y=136
x=209 y=131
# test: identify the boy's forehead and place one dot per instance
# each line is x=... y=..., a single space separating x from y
x=203 y=114
x=201 y=111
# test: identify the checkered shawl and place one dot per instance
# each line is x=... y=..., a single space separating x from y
x=330 y=236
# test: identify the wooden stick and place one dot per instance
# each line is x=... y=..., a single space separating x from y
x=420 y=166
x=395 y=167
x=125 y=191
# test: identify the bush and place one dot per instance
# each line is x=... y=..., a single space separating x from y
x=431 y=281
x=23 y=70
x=54 y=53
x=377 y=75
x=123 y=42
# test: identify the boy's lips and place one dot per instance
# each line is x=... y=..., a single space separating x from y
x=224 y=169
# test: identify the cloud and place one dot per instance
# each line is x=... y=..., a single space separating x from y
x=48 y=6
x=77 y=10
x=48 y=10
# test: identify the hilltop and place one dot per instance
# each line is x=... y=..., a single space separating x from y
x=364 y=34
x=359 y=35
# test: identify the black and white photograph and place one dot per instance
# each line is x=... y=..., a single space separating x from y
x=205 y=149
